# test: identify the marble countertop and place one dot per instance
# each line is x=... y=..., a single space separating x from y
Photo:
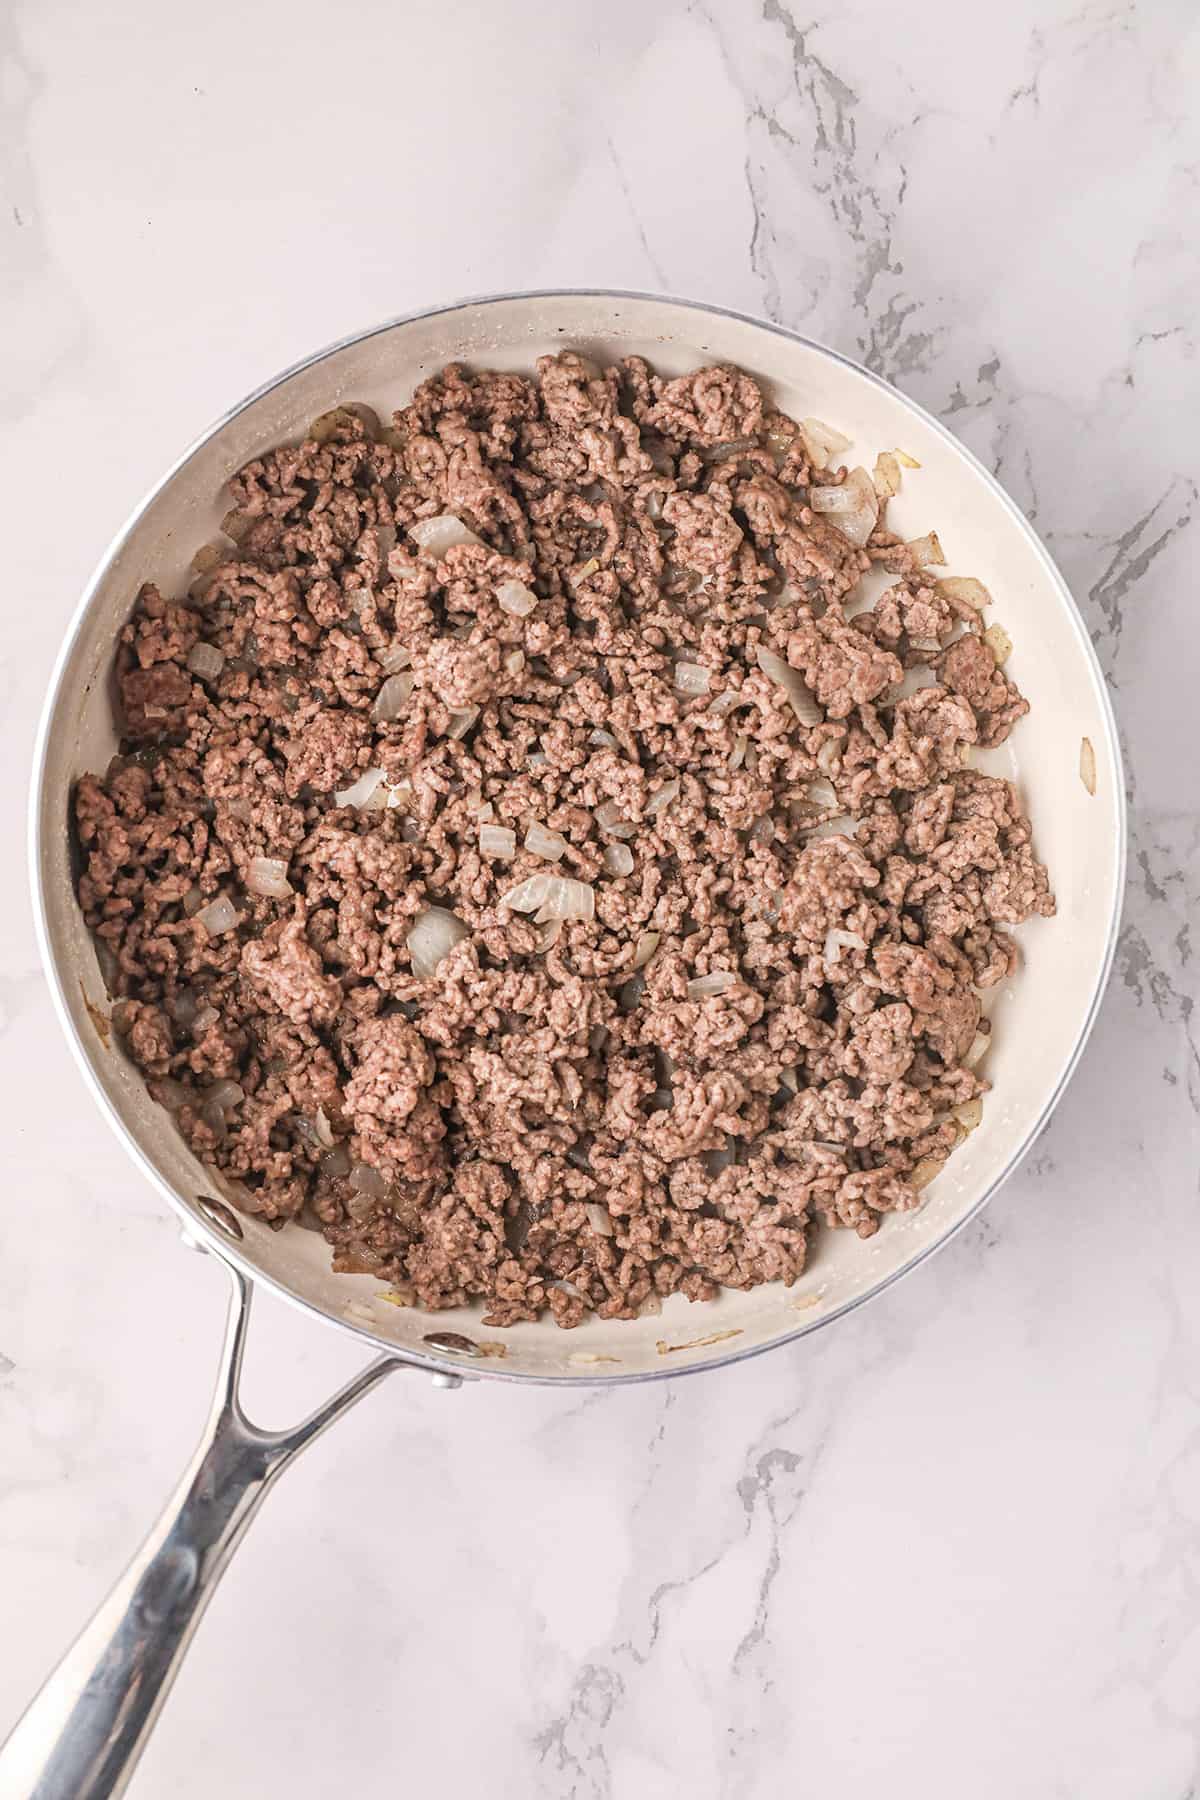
x=951 y=1546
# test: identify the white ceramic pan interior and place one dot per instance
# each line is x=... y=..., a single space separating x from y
x=1041 y=1018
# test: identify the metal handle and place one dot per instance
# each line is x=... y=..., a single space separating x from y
x=82 y=1735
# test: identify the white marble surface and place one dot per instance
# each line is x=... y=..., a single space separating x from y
x=952 y=1546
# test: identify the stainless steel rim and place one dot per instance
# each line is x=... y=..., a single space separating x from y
x=199 y=1227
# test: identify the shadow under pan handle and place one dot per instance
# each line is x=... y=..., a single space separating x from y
x=83 y=1733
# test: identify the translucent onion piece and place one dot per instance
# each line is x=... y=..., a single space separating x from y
x=323 y=1129
x=268 y=875
x=1087 y=765
x=836 y=942
x=999 y=643
x=193 y=900
x=208 y=1015
x=970 y=1113
x=237 y=525
x=603 y=740
x=393 y=660
x=549 y=845
x=497 y=840
x=647 y=944
x=549 y=935
x=705 y=987
x=367 y=1180
x=515 y=598
x=978 y=1050
x=854 y=506
x=461 y=720
x=692 y=678
x=792 y=682
x=821 y=442
x=618 y=859
x=612 y=824
x=336 y=1162
x=599 y=1218
x=514 y=662
x=567 y=899
x=886 y=475
x=206 y=661
x=966 y=589
x=363 y=790
x=537 y=759
x=905 y=460
x=789 y=1077
x=725 y=703
x=392 y=698
x=436 y=536
x=923 y=1174
x=219 y=916
x=925 y=550
x=528 y=895
x=666 y=793
x=183 y=1007
x=737 y=755
x=225 y=1095
x=434 y=934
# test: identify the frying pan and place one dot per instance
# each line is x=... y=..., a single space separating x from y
x=83 y=1732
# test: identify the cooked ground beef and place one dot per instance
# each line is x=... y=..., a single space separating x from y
x=770 y=1009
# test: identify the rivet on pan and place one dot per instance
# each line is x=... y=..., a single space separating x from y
x=452 y=1341
x=218 y=1214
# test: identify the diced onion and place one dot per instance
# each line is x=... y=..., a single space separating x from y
x=836 y=942
x=206 y=661
x=789 y=1077
x=886 y=475
x=366 y=1180
x=737 y=755
x=647 y=944
x=391 y=661
x=792 y=682
x=497 y=840
x=336 y=1162
x=363 y=791
x=323 y=1129
x=999 y=643
x=515 y=598
x=549 y=845
x=193 y=900
x=224 y=1095
x=608 y=817
x=970 y=1113
x=183 y=1007
x=923 y=1174
x=725 y=703
x=925 y=550
x=392 y=698
x=553 y=896
x=618 y=859
x=461 y=720
x=434 y=934
x=208 y=1015
x=979 y=1045
x=1087 y=765
x=965 y=589
x=821 y=792
x=436 y=536
x=549 y=935
x=664 y=796
x=692 y=678
x=268 y=875
x=599 y=1218
x=907 y=461
x=514 y=662
x=528 y=895
x=853 y=507
x=603 y=740
x=705 y=987
x=821 y=441
x=219 y=916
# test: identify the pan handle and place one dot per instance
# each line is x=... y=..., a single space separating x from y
x=83 y=1733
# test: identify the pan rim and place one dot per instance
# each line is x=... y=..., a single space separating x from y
x=197 y=1228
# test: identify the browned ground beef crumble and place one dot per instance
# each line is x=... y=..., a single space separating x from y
x=536 y=1123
